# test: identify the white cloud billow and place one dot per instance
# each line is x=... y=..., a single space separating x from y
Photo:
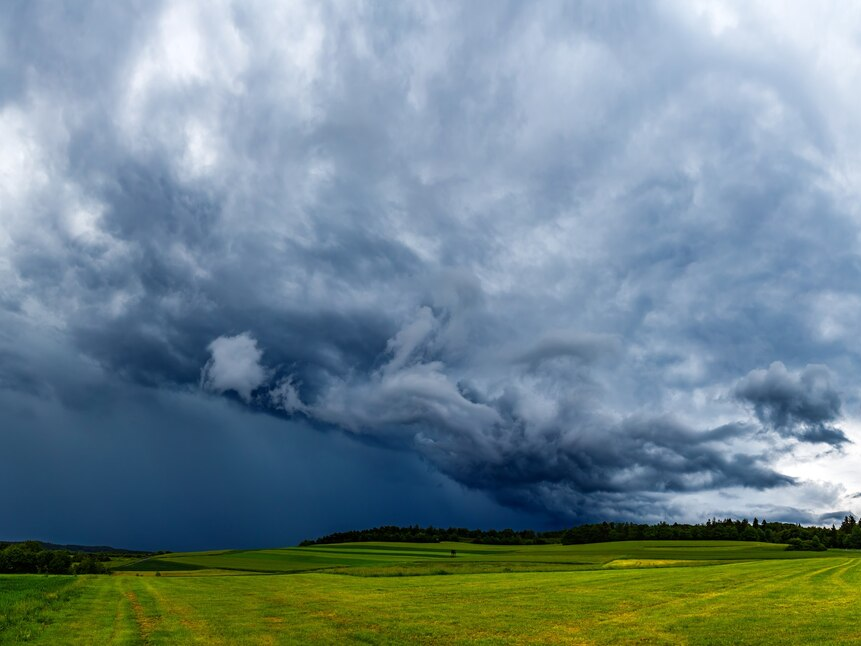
x=234 y=365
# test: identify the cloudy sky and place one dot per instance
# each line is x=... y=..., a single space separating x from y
x=274 y=269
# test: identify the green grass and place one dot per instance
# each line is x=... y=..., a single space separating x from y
x=378 y=559
x=617 y=593
x=155 y=564
x=120 y=561
x=27 y=600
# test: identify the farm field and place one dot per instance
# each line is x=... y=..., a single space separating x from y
x=673 y=592
x=386 y=559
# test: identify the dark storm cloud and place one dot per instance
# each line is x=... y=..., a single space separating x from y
x=584 y=347
x=229 y=478
x=804 y=404
x=833 y=517
x=534 y=245
x=529 y=444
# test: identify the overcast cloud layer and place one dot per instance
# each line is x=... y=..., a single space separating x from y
x=574 y=261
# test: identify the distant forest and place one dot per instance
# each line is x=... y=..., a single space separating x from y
x=796 y=537
x=35 y=557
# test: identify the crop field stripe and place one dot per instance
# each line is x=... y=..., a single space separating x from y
x=707 y=604
x=145 y=624
x=123 y=628
x=191 y=625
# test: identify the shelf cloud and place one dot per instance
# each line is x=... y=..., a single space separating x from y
x=575 y=260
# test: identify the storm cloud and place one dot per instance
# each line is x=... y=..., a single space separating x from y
x=804 y=404
x=519 y=436
x=585 y=261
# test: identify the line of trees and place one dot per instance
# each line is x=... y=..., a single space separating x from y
x=30 y=557
x=848 y=535
x=430 y=534
x=795 y=536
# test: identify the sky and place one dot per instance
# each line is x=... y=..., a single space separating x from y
x=270 y=270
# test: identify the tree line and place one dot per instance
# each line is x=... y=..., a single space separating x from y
x=31 y=557
x=795 y=536
x=430 y=534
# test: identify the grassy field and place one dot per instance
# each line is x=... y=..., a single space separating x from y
x=638 y=592
x=391 y=558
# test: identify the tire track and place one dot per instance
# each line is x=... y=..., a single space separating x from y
x=198 y=630
x=146 y=625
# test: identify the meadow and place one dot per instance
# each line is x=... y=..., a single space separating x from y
x=665 y=592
